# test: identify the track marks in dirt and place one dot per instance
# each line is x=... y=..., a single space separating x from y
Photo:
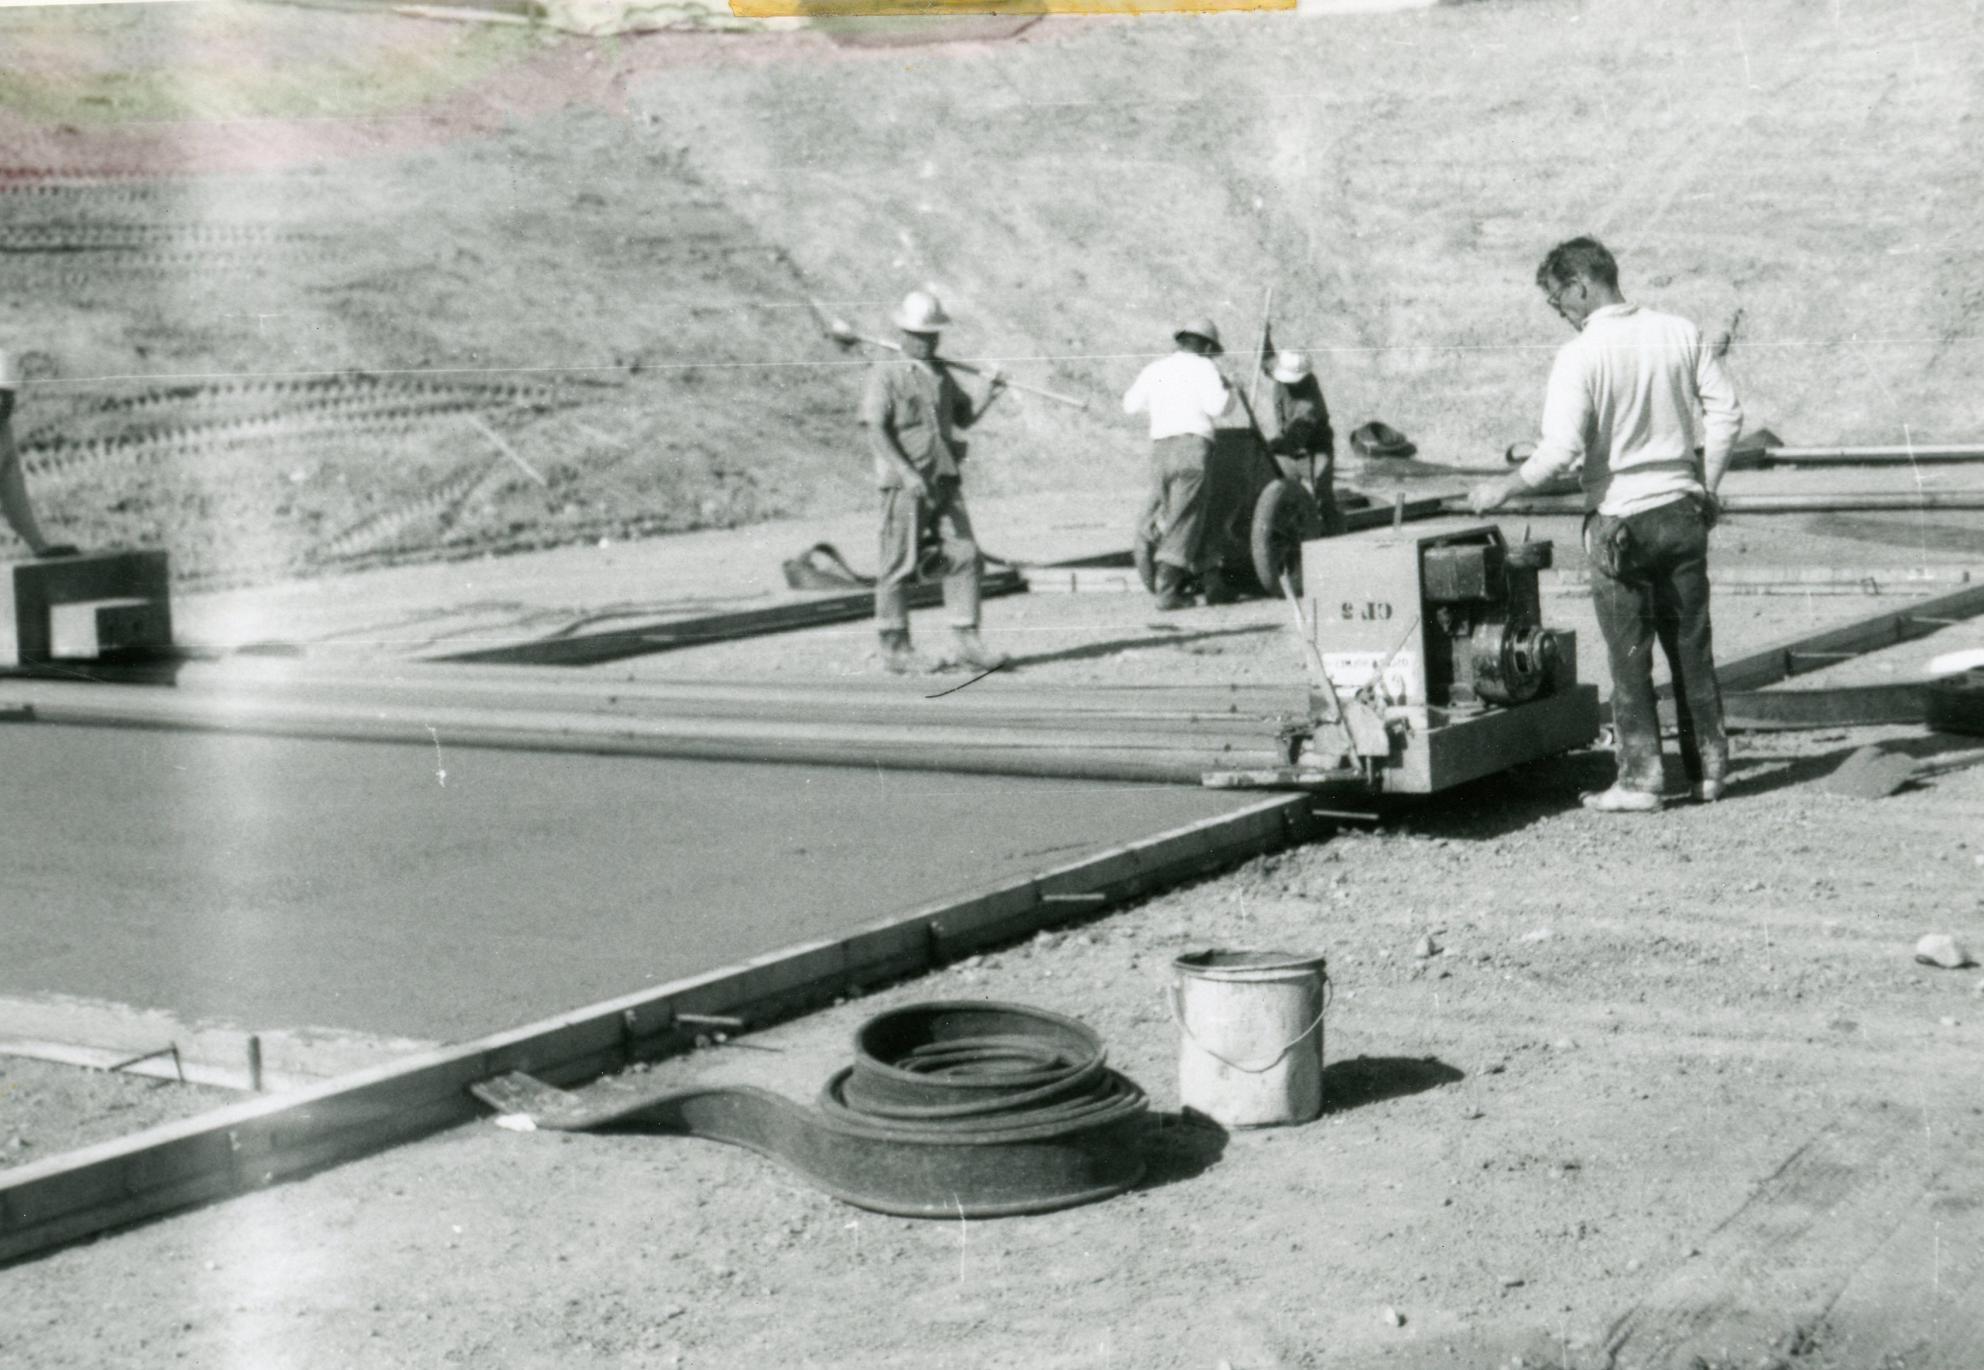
x=1768 y=1274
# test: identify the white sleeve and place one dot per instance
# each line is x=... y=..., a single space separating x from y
x=10 y=376
x=1722 y=412
x=1566 y=410
x=1137 y=398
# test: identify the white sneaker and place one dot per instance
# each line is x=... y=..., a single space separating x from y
x=1708 y=791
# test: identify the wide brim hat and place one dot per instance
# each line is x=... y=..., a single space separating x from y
x=1199 y=328
x=1375 y=439
x=1289 y=367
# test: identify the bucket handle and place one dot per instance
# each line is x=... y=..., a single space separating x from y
x=1176 y=1000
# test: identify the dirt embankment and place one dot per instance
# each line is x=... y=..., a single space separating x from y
x=600 y=249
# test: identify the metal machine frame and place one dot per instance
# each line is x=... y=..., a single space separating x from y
x=1429 y=666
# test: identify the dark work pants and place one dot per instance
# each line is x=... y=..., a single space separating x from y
x=1650 y=580
x=926 y=538
x=1176 y=507
x=1324 y=486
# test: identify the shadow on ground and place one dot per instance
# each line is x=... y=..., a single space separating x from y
x=1364 y=1080
x=1171 y=638
x=1180 y=1146
x=1934 y=755
x=1514 y=799
x=1506 y=802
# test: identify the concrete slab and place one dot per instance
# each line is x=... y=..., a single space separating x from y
x=437 y=893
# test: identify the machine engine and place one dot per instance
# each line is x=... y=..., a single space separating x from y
x=1487 y=643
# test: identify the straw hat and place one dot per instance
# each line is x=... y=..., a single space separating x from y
x=1375 y=439
x=1200 y=327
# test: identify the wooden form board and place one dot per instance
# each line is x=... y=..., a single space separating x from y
x=1829 y=646
x=1749 y=705
x=587 y=649
x=246 y=1146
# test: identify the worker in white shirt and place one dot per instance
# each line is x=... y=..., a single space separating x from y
x=14 y=503
x=1621 y=409
x=1182 y=393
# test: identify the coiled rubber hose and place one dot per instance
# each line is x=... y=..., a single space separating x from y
x=951 y=1109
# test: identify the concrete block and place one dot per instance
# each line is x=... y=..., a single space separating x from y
x=134 y=586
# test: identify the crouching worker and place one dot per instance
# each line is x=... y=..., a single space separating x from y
x=913 y=408
x=1303 y=442
x=14 y=502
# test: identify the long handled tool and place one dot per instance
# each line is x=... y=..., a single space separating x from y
x=842 y=333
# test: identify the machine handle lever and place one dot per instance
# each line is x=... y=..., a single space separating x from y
x=1317 y=671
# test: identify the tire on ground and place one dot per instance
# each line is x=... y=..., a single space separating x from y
x=1956 y=703
x=1285 y=516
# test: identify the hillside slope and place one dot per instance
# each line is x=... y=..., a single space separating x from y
x=328 y=286
x=1395 y=179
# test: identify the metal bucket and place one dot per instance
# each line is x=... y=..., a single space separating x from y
x=1250 y=1048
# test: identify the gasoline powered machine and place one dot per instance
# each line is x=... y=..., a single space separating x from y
x=1429 y=666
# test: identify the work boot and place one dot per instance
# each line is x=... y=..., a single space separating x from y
x=1712 y=774
x=974 y=653
x=1171 y=587
x=1621 y=800
x=898 y=658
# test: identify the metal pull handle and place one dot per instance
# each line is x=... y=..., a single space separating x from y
x=1177 y=1002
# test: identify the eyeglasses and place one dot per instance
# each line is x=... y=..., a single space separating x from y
x=1555 y=297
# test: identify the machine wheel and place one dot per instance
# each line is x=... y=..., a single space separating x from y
x=1143 y=555
x=1285 y=516
x=1956 y=703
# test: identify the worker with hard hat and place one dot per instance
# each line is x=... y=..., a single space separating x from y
x=1302 y=440
x=1182 y=394
x=913 y=409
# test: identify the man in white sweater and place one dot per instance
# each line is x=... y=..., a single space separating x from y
x=1182 y=393
x=1621 y=409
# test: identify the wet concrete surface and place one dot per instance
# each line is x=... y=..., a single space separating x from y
x=441 y=893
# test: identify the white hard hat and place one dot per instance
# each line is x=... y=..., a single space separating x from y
x=920 y=312
x=1290 y=366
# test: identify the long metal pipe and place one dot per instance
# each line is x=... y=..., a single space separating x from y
x=1872 y=456
x=1841 y=502
x=1102 y=710
x=977 y=750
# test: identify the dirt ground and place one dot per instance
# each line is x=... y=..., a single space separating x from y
x=1678 y=1076
x=1671 y=1092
